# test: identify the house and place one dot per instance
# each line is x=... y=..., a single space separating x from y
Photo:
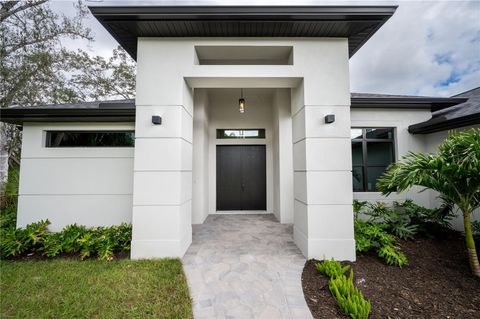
x=238 y=109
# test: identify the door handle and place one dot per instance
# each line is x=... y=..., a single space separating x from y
x=243 y=187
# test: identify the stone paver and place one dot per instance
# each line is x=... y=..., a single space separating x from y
x=245 y=266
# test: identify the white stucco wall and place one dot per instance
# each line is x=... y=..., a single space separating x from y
x=201 y=144
x=87 y=186
x=283 y=156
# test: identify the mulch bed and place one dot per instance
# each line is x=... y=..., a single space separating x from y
x=437 y=283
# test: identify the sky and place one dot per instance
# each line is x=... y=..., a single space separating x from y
x=429 y=48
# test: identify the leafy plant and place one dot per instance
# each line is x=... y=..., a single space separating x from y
x=426 y=219
x=397 y=223
x=102 y=242
x=349 y=298
x=372 y=236
x=358 y=207
x=454 y=172
x=331 y=268
x=476 y=229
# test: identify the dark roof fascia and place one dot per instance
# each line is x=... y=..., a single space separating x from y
x=433 y=104
x=106 y=14
x=20 y=115
x=440 y=124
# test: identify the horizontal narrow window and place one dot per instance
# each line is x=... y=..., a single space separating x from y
x=241 y=133
x=90 y=139
x=373 y=149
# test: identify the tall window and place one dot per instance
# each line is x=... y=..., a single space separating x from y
x=90 y=139
x=373 y=149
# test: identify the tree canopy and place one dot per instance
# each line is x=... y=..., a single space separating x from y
x=37 y=67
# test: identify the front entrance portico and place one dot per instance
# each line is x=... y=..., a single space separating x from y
x=308 y=160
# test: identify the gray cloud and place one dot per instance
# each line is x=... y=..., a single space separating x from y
x=426 y=48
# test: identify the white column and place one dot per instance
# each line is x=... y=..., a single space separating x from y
x=323 y=217
x=162 y=193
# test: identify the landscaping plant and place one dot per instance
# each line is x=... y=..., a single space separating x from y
x=476 y=230
x=349 y=298
x=331 y=268
x=372 y=236
x=454 y=172
x=35 y=238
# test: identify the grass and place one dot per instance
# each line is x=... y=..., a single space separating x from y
x=67 y=288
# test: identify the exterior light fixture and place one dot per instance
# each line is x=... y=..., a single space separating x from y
x=157 y=120
x=330 y=118
x=241 y=102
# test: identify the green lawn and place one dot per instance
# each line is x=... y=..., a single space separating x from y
x=63 y=288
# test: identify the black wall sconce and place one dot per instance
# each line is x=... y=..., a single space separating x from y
x=157 y=120
x=330 y=118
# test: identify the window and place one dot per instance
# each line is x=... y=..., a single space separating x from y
x=373 y=150
x=90 y=139
x=241 y=133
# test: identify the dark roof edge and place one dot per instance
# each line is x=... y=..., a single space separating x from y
x=433 y=104
x=242 y=9
x=439 y=124
x=20 y=115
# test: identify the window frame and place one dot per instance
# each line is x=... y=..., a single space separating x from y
x=261 y=131
x=365 y=164
x=48 y=139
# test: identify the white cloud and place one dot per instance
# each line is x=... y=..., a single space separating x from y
x=426 y=48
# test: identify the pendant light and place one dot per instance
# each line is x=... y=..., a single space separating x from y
x=241 y=102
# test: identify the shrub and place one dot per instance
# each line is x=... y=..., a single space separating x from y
x=395 y=222
x=426 y=220
x=349 y=298
x=9 y=198
x=476 y=229
x=372 y=236
x=407 y=219
x=102 y=242
x=331 y=268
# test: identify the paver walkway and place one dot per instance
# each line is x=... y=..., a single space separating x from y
x=245 y=266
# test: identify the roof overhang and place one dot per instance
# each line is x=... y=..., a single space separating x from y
x=441 y=123
x=433 y=104
x=110 y=113
x=127 y=23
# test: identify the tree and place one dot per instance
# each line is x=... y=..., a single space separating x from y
x=454 y=172
x=36 y=68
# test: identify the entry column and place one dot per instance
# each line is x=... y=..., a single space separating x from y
x=162 y=192
x=323 y=217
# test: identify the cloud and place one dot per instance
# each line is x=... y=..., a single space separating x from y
x=426 y=48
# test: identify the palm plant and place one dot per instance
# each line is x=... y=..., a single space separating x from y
x=454 y=172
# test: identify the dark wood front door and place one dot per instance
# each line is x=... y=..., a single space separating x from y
x=241 y=177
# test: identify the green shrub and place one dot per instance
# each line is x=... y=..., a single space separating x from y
x=476 y=229
x=102 y=242
x=395 y=222
x=349 y=299
x=9 y=198
x=359 y=207
x=331 y=268
x=425 y=219
x=372 y=236
x=407 y=219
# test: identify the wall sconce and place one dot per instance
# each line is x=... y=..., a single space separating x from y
x=330 y=118
x=157 y=120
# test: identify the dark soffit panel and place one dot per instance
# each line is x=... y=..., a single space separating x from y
x=127 y=23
